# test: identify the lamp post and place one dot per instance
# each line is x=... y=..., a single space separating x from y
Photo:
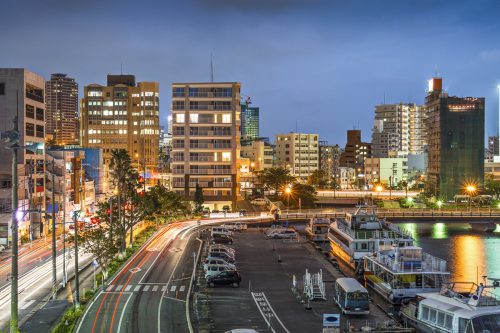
x=471 y=190
x=288 y=192
x=379 y=189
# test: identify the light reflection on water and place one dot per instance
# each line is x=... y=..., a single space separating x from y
x=470 y=254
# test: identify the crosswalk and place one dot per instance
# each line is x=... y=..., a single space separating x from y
x=146 y=288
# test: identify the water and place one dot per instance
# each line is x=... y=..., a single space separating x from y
x=470 y=254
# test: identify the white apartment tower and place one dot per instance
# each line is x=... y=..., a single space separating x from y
x=206 y=141
x=398 y=129
x=298 y=152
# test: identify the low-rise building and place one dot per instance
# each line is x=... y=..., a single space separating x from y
x=260 y=153
x=299 y=152
x=387 y=171
x=346 y=178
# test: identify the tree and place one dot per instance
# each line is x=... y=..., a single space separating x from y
x=161 y=204
x=492 y=187
x=318 y=178
x=303 y=193
x=275 y=179
x=198 y=199
x=97 y=242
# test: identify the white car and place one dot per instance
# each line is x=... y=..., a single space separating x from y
x=216 y=269
x=217 y=261
x=221 y=250
x=235 y=226
x=258 y=202
x=221 y=230
x=283 y=234
x=221 y=247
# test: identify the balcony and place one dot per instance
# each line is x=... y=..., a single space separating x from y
x=223 y=184
x=178 y=145
x=35 y=94
x=178 y=159
x=178 y=171
x=201 y=145
x=210 y=133
x=201 y=159
x=178 y=184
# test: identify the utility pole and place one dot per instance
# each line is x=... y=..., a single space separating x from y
x=64 y=219
x=54 y=245
x=77 y=278
x=14 y=268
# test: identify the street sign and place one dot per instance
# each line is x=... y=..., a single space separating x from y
x=331 y=320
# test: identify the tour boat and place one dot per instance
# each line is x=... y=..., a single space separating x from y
x=362 y=233
x=317 y=229
x=399 y=273
x=460 y=307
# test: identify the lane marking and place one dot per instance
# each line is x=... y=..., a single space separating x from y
x=119 y=287
x=155 y=288
x=182 y=288
x=111 y=286
x=123 y=312
x=173 y=288
x=174 y=299
x=137 y=288
x=163 y=288
x=128 y=287
x=146 y=288
x=266 y=310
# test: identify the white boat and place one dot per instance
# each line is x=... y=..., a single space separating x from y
x=317 y=229
x=363 y=233
x=460 y=307
x=398 y=274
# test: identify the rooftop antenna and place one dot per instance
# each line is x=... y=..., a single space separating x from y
x=296 y=126
x=384 y=97
x=211 y=68
x=121 y=68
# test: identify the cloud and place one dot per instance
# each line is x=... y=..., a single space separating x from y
x=490 y=56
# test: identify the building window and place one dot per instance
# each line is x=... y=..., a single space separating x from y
x=2 y=88
x=226 y=118
x=30 y=129
x=179 y=118
x=39 y=114
x=39 y=131
x=30 y=111
x=94 y=93
x=226 y=156
x=193 y=117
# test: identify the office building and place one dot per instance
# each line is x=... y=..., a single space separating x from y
x=206 y=141
x=22 y=92
x=398 y=128
x=249 y=124
x=123 y=115
x=61 y=99
x=298 y=152
x=455 y=128
x=260 y=153
x=329 y=160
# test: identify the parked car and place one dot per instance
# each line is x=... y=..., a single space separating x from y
x=216 y=261
x=221 y=239
x=221 y=230
x=226 y=278
x=258 y=202
x=243 y=212
x=242 y=330
x=273 y=230
x=221 y=250
x=222 y=255
x=232 y=226
x=284 y=234
x=216 y=269
x=221 y=247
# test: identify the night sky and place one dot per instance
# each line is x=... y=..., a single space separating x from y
x=321 y=64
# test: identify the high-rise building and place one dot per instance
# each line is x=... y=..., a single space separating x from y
x=249 y=124
x=206 y=140
x=123 y=115
x=355 y=154
x=299 y=152
x=22 y=93
x=61 y=116
x=398 y=128
x=329 y=160
x=455 y=128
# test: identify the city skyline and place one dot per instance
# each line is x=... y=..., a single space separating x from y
x=314 y=61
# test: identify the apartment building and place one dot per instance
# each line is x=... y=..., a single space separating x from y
x=123 y=115
x=389 y=171
x=299 y=152
x=260 y=153
x=206 y=137
x=22 y=93
x=329 y=160
x=63 y=124
x=249 y=124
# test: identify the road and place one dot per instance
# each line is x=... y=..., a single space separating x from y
x=35 y=277
x=150 y=293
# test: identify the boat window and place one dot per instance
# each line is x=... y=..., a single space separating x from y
x=440 y=317
x=432 y=315
x=487 y=323
x=464 y=325
x=364 y=246
x=424 y=315
x=449 y=321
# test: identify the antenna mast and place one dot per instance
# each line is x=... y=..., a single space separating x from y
x=211 y=68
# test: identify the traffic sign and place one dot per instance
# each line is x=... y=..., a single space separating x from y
x=331 y=320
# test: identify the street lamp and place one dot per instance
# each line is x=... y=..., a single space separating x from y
x=288 y=192
x=379 y=189
x=439 y=203
x=470 y=189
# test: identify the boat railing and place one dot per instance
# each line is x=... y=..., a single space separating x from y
x=427 y=263
x=463 y=291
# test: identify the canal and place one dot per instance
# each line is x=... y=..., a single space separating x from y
x=470 y=254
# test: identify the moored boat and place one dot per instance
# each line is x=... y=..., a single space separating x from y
x=317 y=229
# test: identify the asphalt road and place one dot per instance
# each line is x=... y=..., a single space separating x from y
x=149 y=293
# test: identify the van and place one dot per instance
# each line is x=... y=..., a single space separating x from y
x=221 y=230
x=212 y=270
x=216 y=261
x=222 y=255
x=351 y=297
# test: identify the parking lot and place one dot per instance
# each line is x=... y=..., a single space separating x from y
x=266 y=300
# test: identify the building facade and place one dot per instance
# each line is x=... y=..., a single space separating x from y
x=355 y=154
x=387 y=171
x=123 y=115
x=398 y=128
x=61 y=101
x=456 y=141
x=206 y=137
x=249 y=124
x=22 y=92
x=329 y=160
x=298 y=152
x=260 y=153
x=492 y=149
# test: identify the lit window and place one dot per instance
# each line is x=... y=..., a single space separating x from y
x=94 y=93
x=226 y=156
x=193 y=118
x=107 y=103
x=226 y=118
x=179 y=118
